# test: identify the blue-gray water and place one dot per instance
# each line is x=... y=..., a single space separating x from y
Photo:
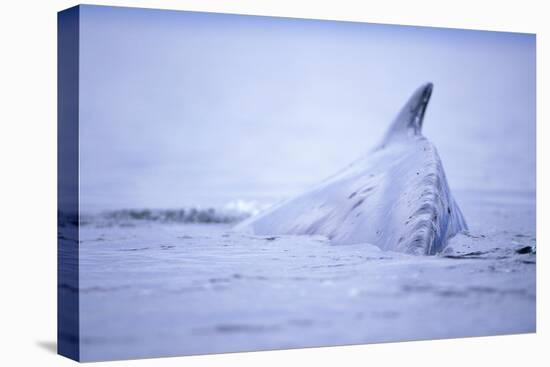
x=154 y=288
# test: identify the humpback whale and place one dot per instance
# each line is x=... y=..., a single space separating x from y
x=395 y=197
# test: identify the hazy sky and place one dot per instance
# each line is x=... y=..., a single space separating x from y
x=181 y=108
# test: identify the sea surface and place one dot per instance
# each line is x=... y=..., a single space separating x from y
x=181 y=282
x=188 y=123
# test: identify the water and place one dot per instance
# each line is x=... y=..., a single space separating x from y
x=163 y=288
x=197 y=112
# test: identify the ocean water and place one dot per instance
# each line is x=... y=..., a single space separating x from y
x=194 y=121
x=158 y=284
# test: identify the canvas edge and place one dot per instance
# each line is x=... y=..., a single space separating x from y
x=68 y=336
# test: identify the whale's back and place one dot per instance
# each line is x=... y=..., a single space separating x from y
x=397 y=197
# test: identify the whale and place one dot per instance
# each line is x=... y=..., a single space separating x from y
x=395 y=197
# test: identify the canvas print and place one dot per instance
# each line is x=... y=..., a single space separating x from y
x=239 y=183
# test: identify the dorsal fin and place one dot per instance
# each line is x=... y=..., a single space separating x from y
x=409 y=120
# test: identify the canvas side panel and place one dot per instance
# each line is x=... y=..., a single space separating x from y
x=67 y=183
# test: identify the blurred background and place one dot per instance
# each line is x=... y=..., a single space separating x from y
x=183 y=109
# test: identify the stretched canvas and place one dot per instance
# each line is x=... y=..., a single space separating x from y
x=238 y=183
